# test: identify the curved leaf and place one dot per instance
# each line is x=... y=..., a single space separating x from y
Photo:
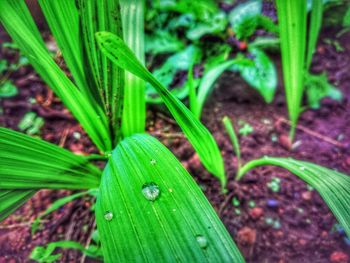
x=10 y=200
x=175 y=223
x=207 y=83
x=17 y=20
x=201 y=139
x=334 y=187
x=29 y=163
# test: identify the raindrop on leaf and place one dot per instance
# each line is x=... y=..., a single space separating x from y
x=153 y=162
x=150 y=191
x=108 y=216
x=202 y=241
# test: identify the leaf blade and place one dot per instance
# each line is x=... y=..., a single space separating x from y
x=334 y=187
x=148 y=227
x=200 y=138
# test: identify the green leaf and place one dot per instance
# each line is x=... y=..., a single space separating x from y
x=292 y=27
x=57 y=204
x=16 y=18
x=234 y=139
x=8 y=89
x=213 y=25
x=106 y=79
x=11 y=200
x=30 y=163
x=334 y=187
x=201 y=139
x=314 y=29
x=162 y=42
x=161 y=214
x=207 y=83
x=166 y=73
x=244 y=18
x=31 y=123
x=346 y=18
x=317 y=87
x=134 y=111
x=63 y=19
x=260 y=74
x=46 y=254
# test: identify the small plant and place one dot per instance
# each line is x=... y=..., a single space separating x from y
x=148 y=208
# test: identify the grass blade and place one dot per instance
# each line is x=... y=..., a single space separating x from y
x=29 y=163
x=314 y=29
x=15 y=17
x=334 y=187
x=207 y=83
x=234 y=140
x=107 y=79
x=292 y=27
x=10 y=200
x=134 y=112
x=201 y=139
x=179 y=225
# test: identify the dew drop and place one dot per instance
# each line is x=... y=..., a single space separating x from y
x=153 y=162
x=302 y=168
x=202 y=241
x=150 y=191
x=108 y=216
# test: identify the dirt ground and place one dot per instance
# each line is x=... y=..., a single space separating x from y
x=289 y=225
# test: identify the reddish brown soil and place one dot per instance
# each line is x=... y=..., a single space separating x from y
x=305 y=233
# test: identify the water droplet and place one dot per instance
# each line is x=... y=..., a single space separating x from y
x=153 y=162
x=302 y=168
x=174 y=210
x=108 y=216
x=170 y=190
x=157 y=151
x=150 y=191
x=202 y=241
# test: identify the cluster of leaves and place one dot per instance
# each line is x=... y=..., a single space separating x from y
x=154 y=192
x=177 y=28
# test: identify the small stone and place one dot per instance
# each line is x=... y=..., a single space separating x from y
x=273 y=203
x=285 y=142
x=246 y=236
x=256 y=213
x=307 y=195
x=302 y=242
x=339 y=257
x=324 y=234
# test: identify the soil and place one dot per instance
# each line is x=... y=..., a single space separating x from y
x=290 y=225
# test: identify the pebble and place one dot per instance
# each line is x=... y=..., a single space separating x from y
x=307 y=195
x=246 y=236
x=273 y=203
x=339 y=257
x=285 y=142
x=256 y=213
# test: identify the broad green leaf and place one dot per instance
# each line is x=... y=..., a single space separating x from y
x=268 y=43
x=314 y=29
x=165 y=74
x=317 y=87
x=201 y=139
x=334 y=187
x=162 y=42
x=134 y=111
x=11 y=200
x=244 y=18
x=8 y=89
x=16 y=18
x=267 y=24
x=160 y=215
x=346 y=18
x=292 y=27
x=260 y=74
x=30 y=163
x=213 y=25
x=106 y=79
